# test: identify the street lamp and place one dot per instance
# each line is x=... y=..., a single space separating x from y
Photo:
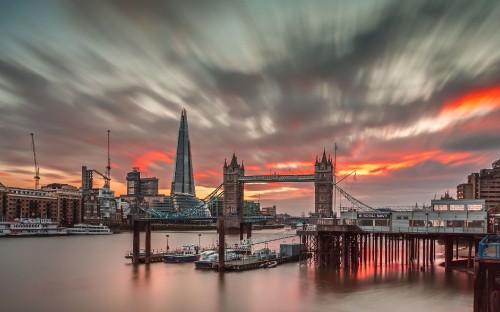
x=167 y=243
x=199 y=239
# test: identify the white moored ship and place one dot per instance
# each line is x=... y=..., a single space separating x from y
x=31 y=226
x=88 y=229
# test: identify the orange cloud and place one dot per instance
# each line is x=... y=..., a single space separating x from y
x=207 y=174
x=146 y=160
x=477 y=102
x=405 y=162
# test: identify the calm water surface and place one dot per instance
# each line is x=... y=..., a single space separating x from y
x=78 y=273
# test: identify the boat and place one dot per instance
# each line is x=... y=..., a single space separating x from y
x=269 y=264
x=265 y=254
x=89 y=229
x=188 y=253
x=207 y=260
x=31 y=227
x=4 y=231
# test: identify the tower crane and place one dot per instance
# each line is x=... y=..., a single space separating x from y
x=106 y=179
x=37 y=169
x=108 y=168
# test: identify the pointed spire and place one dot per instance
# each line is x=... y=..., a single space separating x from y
x=323 y=159
x=225 y=163
x=182 y=180
x=234 y=161
x=242 y=166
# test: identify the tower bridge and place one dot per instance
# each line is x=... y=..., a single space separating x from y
x=234 y=179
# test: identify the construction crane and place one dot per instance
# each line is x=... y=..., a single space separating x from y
x=106 y=179
x=37 y=169
x=108 y=168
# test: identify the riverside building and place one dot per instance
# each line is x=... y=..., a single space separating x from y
x=484 y=184
x=58 y=202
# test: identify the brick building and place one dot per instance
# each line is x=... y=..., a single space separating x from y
x=58 y=202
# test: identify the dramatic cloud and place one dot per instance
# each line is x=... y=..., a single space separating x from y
x=409 y=91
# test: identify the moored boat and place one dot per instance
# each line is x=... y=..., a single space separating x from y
x=270 y=264
x=206 y=260
x=188 y=253
x=4 y=231
x=31 y=227
x=89 y=229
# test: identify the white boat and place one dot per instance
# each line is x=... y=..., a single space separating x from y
x=207 y=260
x=89 y=229
x=31 y=226
x=3 y=230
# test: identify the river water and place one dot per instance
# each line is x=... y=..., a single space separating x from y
x=90 y=273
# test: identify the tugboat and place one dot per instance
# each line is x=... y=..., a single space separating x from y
x=188 y=253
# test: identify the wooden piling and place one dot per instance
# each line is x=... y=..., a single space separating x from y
x=147 y=257
x=222 y=242
x=136 y=243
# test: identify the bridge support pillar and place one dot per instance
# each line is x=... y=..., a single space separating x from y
x=448 y=252
x=147 y=257
x=222 y=243
x=136 y=244
x=470 y=261
x=249 y=230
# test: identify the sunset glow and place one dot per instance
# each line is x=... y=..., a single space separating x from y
x=409 y=93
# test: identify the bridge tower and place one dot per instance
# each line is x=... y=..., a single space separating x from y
x=233 y=190
x=323 y=186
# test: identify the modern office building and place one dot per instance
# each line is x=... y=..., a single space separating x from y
x=484 y=184
x=137 y=186
x=149 y=186
x=268 y=211
x=182 y=180
x=251 y=208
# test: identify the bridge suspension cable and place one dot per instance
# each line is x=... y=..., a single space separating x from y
x=356 y=202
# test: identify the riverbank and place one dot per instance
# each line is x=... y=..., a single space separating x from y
x=194 y=227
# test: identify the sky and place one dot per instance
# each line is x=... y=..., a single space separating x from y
x=408 y=90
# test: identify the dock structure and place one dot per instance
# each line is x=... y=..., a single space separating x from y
x=487 y=275
x=153 y=257
x=332 y=244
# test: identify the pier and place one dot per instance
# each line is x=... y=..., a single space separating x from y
x=336 y=245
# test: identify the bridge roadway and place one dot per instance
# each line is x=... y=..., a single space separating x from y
x=277 y=178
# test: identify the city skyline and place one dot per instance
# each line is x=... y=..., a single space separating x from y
x=409 y=92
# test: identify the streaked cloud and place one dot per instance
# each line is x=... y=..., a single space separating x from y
x=405 y=89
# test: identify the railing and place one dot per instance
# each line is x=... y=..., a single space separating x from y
x=268 y=238
x=489 y=247
x=430 y=229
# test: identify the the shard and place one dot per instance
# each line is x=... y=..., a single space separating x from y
x=182 y=180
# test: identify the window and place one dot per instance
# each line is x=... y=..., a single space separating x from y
x=381 y=222
x=364 y=222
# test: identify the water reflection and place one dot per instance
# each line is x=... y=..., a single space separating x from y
x=94 y=274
